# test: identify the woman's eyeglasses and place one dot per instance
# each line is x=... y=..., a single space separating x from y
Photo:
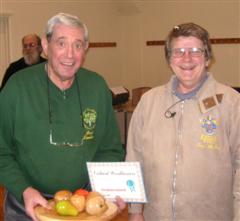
x=193 y=52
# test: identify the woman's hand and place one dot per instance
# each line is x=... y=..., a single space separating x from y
x=120 y=204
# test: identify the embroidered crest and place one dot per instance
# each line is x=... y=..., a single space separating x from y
x=208 y=138
x=89 y=118
x=89 y=123
x=209 y=124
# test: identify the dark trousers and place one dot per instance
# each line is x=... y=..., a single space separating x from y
x=13 y=210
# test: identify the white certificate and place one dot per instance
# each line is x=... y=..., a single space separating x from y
x=122 y=179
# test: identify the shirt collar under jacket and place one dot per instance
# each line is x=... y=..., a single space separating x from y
x=190 y=94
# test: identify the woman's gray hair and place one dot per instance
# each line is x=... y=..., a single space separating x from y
x=189 y=30
x=69 y=20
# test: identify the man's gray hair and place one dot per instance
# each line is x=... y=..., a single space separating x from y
x=69 y=20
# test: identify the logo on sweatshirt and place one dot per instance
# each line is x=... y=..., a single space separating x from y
x=89 y=123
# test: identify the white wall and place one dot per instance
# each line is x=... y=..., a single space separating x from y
x=100 y=17
x=155 y=19
x=131 y=23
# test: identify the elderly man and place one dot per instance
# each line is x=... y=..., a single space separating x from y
x=55 y=117
x=31 y=50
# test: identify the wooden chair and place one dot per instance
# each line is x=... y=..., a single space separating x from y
x=237 y=89
x=137 y=93
x=1 y=202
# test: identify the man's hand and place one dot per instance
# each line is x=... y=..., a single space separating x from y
x=136 y=217
x=33 y=198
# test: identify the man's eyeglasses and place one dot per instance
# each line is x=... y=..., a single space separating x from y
x=51 y=140
x=30 y=45
x=63 y=144
x=193 y=52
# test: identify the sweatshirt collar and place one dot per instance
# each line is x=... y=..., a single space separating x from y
x=189 y=95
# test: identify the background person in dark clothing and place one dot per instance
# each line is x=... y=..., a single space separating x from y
x=31 y=50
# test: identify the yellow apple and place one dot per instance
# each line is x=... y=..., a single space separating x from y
x=95 y=204
x=62 y=195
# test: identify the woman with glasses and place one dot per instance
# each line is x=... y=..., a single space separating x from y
x=186 y=136
x=55 y=117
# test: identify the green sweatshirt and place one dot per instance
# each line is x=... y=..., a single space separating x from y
x=30 y=107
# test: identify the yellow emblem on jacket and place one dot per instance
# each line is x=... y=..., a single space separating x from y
x=208 y=138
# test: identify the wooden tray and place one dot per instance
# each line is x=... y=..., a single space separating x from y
x=44 y=214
